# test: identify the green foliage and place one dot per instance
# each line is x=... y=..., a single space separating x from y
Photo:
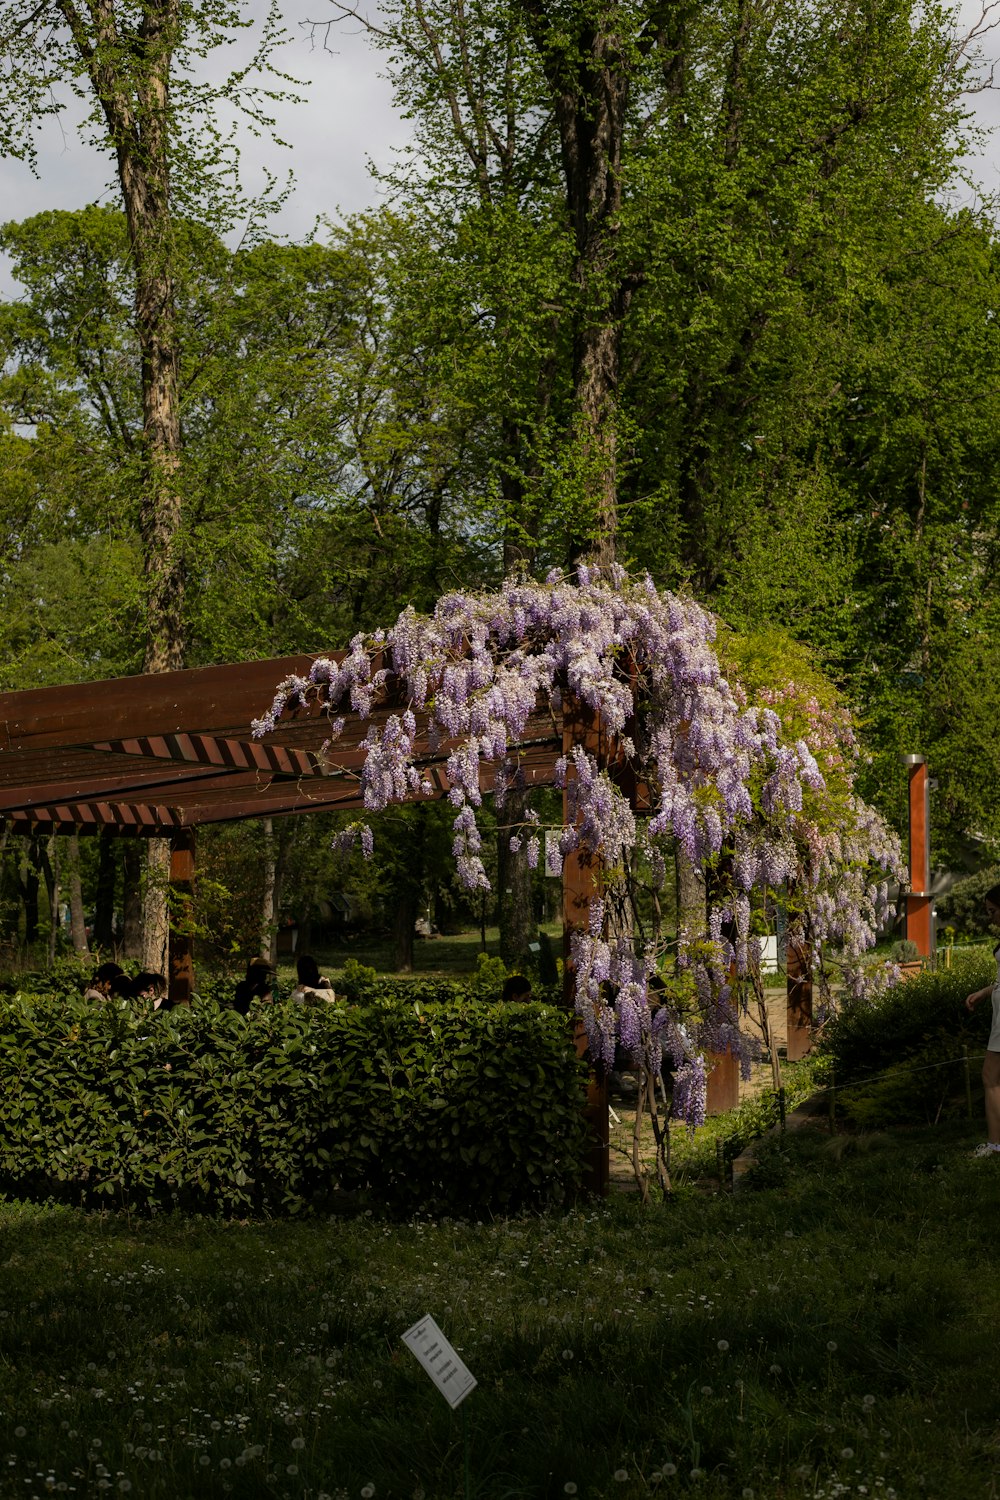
x=962 y=907
x=488 y=980
x=916 y=1023
x=459 y=1107
x=928 y=1086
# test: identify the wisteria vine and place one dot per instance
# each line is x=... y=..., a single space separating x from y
x=727 y=787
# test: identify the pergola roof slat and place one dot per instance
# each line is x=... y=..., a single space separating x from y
x=156 y=753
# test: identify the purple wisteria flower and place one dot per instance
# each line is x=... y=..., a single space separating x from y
x=743 y=800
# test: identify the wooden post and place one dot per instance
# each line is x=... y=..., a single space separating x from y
x=798 y=999
x=918 y=900
x=581 y=881
x=181 y=954
x=723 y=1085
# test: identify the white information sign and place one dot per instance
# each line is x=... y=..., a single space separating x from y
x=452 y=1377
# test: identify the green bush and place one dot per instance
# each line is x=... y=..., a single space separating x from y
x=962 y=908
x=927 y=1086
x=453 y=1108
x=905 y=1047
x=366 y=987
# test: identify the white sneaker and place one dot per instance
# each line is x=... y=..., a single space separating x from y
x=988 y=1148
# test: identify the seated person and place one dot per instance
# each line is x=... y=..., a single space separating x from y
x=516 y=988
x=121 y=986
x=311 y=988
x=150 y=986
x=257 y=986
x=99 y=987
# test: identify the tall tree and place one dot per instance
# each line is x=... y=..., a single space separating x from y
x=132 y=61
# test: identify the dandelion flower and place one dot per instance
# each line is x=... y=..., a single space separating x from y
x=569 y=1488
x=847 y=1452
x=868 y=1401
x=723 y=1346
x=298 y=1443
x=706 y=1390
x=567 y=1354
x=367 y=1491
x=19 y=1432
x=621 y=1475
x=669 y=1470
x=832 y=1346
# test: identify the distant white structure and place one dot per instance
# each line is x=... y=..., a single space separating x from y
x=769 y=954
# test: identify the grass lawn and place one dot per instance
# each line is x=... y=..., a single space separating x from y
x=831 y=1335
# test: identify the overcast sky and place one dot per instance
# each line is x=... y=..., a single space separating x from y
x=346 y=118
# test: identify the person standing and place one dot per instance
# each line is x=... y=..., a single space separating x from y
x=991 y=1062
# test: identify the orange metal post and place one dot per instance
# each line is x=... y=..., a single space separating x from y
x=581 y=879
x=181 y=957
x=918 y=900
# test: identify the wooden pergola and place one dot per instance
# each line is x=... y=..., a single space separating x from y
x=161 y=755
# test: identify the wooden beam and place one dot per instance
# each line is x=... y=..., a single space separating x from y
x=206 y=698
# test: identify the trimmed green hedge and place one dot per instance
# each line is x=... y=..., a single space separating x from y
x=469 y=1108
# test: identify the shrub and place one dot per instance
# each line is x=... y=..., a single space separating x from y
x=892 y=1045
x=926 y=1086
x=457 y=1107
x=962 y=907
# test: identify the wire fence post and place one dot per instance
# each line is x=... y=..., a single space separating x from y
x=720 y=1162
x=781 y=1108
x=968 y=1082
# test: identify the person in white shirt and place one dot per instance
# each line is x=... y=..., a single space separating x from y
x=991 y=1062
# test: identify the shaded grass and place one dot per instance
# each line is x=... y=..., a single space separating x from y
x=833 y=1332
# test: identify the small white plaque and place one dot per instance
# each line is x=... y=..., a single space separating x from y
x=452 y=1377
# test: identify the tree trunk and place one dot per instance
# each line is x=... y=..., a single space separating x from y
x=134 y=95
x=30 y=884
x=589 y=70
x=132 y=900
x=268 y=905
x=692 y=898
x=77 y=917
x=54 y=899
x=104 y=904
x=156 y=927
x=407 y=911
x=514 y=906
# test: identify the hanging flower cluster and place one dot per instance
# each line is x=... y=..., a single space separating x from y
x=724 y=782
